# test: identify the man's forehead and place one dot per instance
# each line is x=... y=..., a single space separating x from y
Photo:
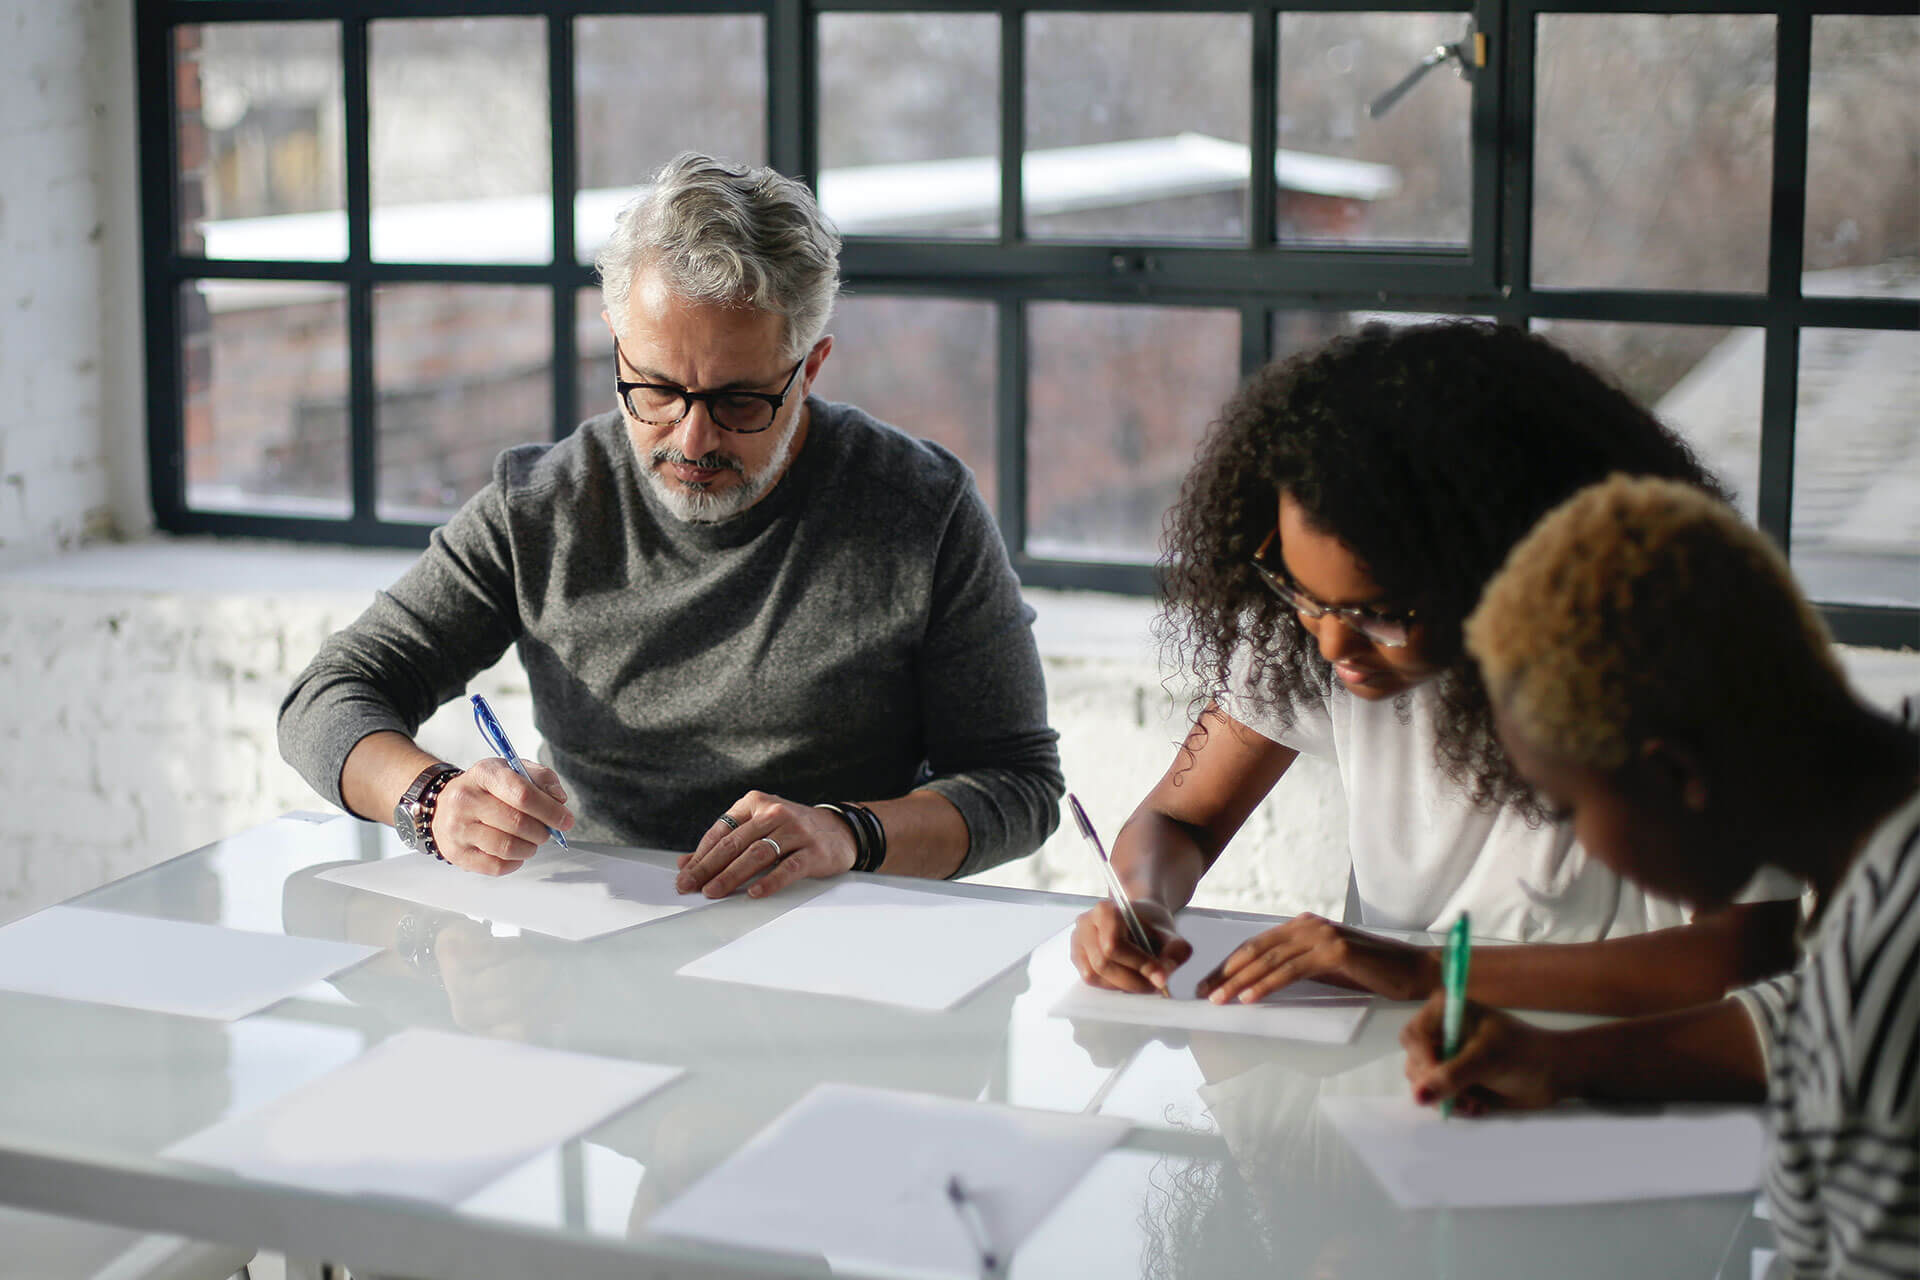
x=664 y=330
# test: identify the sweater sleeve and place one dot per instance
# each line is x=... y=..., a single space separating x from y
x=984 y=698
x=448 y=618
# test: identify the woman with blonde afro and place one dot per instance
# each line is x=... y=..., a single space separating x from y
x=1658 y=678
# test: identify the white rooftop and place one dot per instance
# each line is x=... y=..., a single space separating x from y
x=862 y=200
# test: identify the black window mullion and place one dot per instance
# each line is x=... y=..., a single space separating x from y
x=1010 y=422
x=1256 y=338
x=159 y=238
x=362 y=400
x=1486 y=143
x=565 y=166
x=792 y=139
x=1780 y=379
x=1264 y=129
x=1515 y=52
x=1013 y=127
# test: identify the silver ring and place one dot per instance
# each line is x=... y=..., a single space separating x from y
x=775 y=843
x=733 y=823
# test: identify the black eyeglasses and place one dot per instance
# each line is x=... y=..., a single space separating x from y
x=741 y=412
x=1388 y=630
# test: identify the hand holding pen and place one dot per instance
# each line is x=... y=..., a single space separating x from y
x=497 y=739
x=1123 y=943
x=497 y=814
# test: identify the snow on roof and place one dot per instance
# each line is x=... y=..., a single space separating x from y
x=862 y=199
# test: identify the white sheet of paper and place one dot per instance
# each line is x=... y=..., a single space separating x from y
x=572 y=895
x=1553 y=1157
x=879 y=942
x=1314 y=1011
x=168 y=966
x=859 y=1176
x=1761 y=1263
x=429 y=1115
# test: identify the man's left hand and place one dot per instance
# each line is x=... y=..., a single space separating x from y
x=794 y=840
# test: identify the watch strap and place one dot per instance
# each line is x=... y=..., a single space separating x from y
x=421 y=799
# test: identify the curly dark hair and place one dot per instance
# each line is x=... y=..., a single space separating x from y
x=1429 y=451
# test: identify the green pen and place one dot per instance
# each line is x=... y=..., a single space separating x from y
x=1453 y=974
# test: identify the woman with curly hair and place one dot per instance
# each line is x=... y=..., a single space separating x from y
x=1336 y=530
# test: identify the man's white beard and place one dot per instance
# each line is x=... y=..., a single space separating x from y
x=698 y=506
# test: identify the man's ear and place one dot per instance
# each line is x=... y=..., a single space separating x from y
x=815 y=358
x=1675 y=771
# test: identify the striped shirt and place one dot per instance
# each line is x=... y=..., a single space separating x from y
x=1841 y=1040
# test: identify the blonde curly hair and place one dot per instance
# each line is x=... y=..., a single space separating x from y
x=1643 y=608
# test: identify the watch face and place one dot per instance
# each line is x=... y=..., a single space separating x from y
x=403 y=824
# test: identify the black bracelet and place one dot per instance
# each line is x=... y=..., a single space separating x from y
x=860 y=837
x=876 y=838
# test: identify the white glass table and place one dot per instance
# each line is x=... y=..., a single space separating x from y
x=1231 y=1170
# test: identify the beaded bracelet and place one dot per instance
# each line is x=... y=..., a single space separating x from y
x=429 y=801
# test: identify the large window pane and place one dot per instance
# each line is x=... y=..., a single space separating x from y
x=1653 y=151
x=1863 y=156
x=461 y=144
x=910 y=122
x=1137 y=126
x=646 y=89
x=1702 y=381
x=460 y=373
x=1118 y=400
x=257 y=126
x=1856 y=467
x=1347 y=177
x=924 y=364
x=266 y=397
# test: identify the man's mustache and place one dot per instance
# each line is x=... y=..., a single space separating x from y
x=667 y=454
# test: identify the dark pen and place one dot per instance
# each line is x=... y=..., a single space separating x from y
x=1115 y=890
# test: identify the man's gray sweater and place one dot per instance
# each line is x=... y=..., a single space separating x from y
x=857 y=632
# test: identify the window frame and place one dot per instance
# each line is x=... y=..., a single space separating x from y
x=1491 y=277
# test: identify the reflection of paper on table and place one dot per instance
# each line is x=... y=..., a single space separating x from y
x=878 y=942
x=574 y=896
x=1555 y=1157
x=168 y=966
x=860 y=1176
x=1307 y=1010
x=425 y=1114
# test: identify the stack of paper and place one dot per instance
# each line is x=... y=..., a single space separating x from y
x=860 y=1177
x=575 y=896
x=893 y=945
x=1312 y=1011
x=168 y=966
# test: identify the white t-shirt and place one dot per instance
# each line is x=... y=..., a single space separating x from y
x=1422 y=853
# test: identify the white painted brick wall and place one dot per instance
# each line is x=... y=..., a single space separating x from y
x=137 y=722
x=64 y=218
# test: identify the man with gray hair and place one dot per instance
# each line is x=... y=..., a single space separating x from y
x=762 y=627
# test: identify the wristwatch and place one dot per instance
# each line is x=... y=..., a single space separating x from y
x=413 y=816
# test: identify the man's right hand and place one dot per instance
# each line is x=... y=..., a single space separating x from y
x=1106 y=957
x=490 y=820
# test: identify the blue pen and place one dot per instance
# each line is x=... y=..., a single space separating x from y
x=497 y=739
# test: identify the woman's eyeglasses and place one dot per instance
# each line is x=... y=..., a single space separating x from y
x=1387 y=629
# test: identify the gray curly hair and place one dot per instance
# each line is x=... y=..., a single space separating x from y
x=729 y=235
